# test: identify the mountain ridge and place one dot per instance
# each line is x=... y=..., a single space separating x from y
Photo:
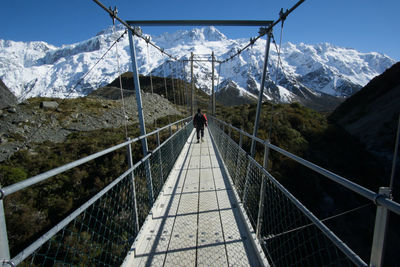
x=40 y=69
x=371 y=115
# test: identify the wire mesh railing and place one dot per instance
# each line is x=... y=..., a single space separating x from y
x=102 y=230
x=290 y=234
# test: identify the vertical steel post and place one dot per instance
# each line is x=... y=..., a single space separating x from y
x=241 y=138
x=396 y=147
x=212 y=84
x=260 y=217
x=223 y=148
x=192 y=84
x=130 y=163
x=378 y=243
x=160 y=159
x=238 y=153
x=4 y=248
x=141 y=117
x=170 y=141
x=259 y=104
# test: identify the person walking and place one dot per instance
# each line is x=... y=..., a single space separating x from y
x=199 y=121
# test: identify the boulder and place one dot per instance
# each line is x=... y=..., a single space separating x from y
x=12 y=110
x=49 y=105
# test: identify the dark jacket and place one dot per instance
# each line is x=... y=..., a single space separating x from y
x=199 y=121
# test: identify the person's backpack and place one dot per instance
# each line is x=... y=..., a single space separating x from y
x=199 y=120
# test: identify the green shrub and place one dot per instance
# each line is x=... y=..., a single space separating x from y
x=10 y=175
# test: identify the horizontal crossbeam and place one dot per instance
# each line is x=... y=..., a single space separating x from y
x=200 y=22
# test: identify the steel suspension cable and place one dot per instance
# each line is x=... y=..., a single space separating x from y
x=33 y=134
x=148 y=62
x=186 y=87
x=134 y=31
x=120 y=86
x=165 y=86
x=323 y=220
x=178 y=82
x=237 y=71
x=219 y=74
x=165 y=81
x=182 y=85
x=172 y=82
x=281 y=64
x=224 y=70
x=279 y=53
x=276 y=78
x=216 y=86
x=282 y=17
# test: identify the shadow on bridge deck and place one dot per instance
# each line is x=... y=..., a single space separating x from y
x=196 y=219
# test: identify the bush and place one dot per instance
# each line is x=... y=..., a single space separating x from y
x=11 y=175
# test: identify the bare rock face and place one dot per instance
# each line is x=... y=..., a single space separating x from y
x=7 y=99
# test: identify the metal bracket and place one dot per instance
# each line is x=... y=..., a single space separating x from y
x=378 y=196
x=264 y=30
x=113 y=13
x=138 y=31
x=283 y=15
x=8 y=262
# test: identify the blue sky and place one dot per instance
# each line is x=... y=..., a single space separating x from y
x=366 y=25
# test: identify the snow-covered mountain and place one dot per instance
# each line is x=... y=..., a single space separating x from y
x=40 y=69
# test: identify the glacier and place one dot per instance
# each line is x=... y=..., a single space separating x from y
x=31 y=69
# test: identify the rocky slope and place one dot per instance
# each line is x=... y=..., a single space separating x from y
x=372 y=115
x=307 y=72
x=28 y=124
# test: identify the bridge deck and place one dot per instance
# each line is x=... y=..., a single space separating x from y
x=195 y=220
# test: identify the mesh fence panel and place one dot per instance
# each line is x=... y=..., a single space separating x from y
x=103 y=233
x=290 y=238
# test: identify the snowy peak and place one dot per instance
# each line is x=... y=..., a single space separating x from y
x=307 y=71
x=110 y=30
x=206 y=34
x=333 y=70
x=54 y=55
x=22 y=53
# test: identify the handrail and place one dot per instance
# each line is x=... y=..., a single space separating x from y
x=378 y=199
x=46 y=175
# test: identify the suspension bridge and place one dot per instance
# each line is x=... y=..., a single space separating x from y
x=195 y=204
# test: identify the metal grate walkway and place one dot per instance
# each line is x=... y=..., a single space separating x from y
x=195 y=220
